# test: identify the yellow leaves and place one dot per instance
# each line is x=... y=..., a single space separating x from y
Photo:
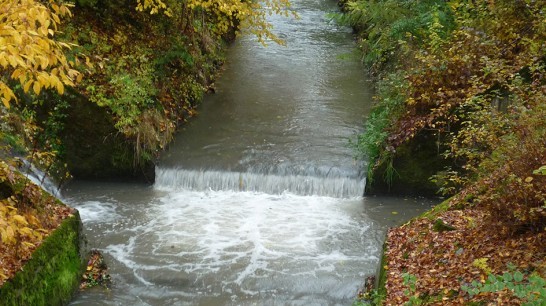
x=26 y=231
x=481 y=263
x=6 y=94
x=32 y=220
x=7 y=235
x=29 y=50
x=20 y=220
x=28 y=244
x=251 y=15
x=153 y=6
x=37 y=88
x=27 y=85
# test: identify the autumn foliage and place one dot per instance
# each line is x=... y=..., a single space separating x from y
x=470 y=76
x=443 y=262
x=227 y=15
x=27 y=216
x=30 y=54
x=475 y=83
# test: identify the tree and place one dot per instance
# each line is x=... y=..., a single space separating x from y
x=29 y=53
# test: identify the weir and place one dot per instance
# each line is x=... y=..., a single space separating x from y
x=330 y=185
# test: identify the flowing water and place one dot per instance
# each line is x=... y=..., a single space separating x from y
x=259 y=200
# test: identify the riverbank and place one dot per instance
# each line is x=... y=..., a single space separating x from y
x=130 y=73
x=41 y=245
x=139 y=75
x=447 y=258
x=459 y=106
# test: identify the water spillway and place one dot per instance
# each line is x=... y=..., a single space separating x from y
x=330 y=185
x=259 y=200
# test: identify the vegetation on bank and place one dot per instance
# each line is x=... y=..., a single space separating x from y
x=462 y=87
x=98 y=87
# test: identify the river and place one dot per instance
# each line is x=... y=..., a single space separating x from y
x=258 y=201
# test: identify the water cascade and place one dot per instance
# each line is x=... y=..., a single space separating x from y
x=40 y=178
x=329 y=185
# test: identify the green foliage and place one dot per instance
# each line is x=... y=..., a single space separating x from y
x=540 y=171
x=531 y=289
x=410 y=281
x=148 y=70
x=176 y=56
x=390 y=99
x=473 y=76
x=48 y=151
x=132 y=95
x=87 y=3
x=372 y=298
x=387 y=26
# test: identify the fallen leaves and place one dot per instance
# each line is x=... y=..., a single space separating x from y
x=444 y=261
x=96 y=272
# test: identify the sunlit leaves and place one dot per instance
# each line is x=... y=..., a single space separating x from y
x=29 y=52
x=153 y=6
x=228 y=15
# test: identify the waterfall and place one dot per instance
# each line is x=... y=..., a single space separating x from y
x=40 y=178
x=332 y=185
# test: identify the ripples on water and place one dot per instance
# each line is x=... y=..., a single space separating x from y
x=230 y=248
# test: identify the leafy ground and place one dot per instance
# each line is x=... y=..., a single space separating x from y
x=27 y=216
x=465 y=249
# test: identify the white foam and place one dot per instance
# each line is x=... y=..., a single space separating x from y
x=244 y=237
x=96 y=211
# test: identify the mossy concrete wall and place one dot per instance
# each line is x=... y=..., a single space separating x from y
x=94 y=149
x=53 y=273
x=413 y=165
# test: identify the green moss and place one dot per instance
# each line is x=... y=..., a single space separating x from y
x=436 y=210
x=410 y=169
x=382 y=277
x=53 y=273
